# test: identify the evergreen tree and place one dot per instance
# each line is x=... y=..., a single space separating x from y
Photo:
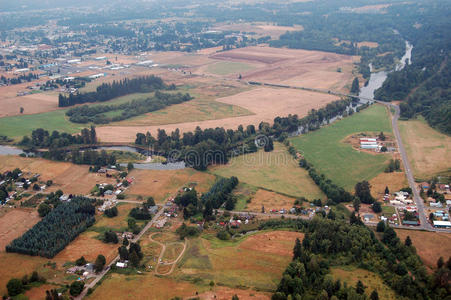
x=355 y=86
x=387 y=191
x=408 y=241
x=297 y=250
x=360 y=288
x=380 y=226
x=374 y=295
x=99 y=263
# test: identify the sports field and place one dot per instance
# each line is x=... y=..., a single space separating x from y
x=428 y=150
x=276 y=171
x=325 y=149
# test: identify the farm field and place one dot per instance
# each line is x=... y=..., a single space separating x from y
x=394 y=181
x=70 y=178
x=276 y=171
x=257 y=261
x=270 y=200
x=162 y=183
x=226 y=68
x=203 y=107
x=14 y=223
x=258 y=101
x=430 y=245
x=371 y=280
x=325 y=150
x=428 y=150
x=261 y=260
x=314 y=69
x=259 y=28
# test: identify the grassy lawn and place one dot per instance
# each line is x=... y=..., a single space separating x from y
x=388 y=210
x=226 y=68
x=276 y=171
x=372 y=281
x=427 y=148
x=339 y=161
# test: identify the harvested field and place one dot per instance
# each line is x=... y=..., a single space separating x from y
x=117 y=286
x=259 y=28
x=33 y=103
x=14 y=223
x=276 y=170
x=428 y=150
x=88 y=246
x=258 y=261
x=258 y=101
x=395 y=181
x=38 y=293
x=430 y=245
x=225 y=293
x=314 y=69
x=13 y=265
x=63 y=174
x=226 y=68
x=269 y=200
x=162 y=183
x=371 y=280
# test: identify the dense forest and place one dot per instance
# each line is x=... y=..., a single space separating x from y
x=57 y=229
x=108 y=91
x=329 y=242
x=201 y=148
x=96 y=114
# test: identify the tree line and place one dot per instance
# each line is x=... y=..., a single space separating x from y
x=41 y=138
x=108 y=91
x=96 y=114
x=204 y=147
x=57 y=229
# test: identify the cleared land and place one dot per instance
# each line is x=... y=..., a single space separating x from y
x=269 y=200
x=430 y=245
x=14 y=223
x=70 y=178
x=258 y=29
x=226 y=68
x=371 y=280
x=395 y=181
x=276 y=171
x=428 y=150
x=315 y=69
x=117 y=223
x=163 y=183
x=341 y=163
x=258 y=261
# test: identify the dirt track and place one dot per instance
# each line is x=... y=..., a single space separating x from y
x=163 y=249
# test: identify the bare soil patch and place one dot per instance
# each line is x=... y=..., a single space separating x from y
x=269 y=200
x=266 y=104
x=314 y=69
x=274 y=242
x=225 y=293
x=163 y=183
x=88 y=246
x=32 y=103
x=395 y=181
x=14 y=223
x=430 y=245
x=259 y=29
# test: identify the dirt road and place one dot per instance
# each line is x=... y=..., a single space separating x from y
x=163 y=249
